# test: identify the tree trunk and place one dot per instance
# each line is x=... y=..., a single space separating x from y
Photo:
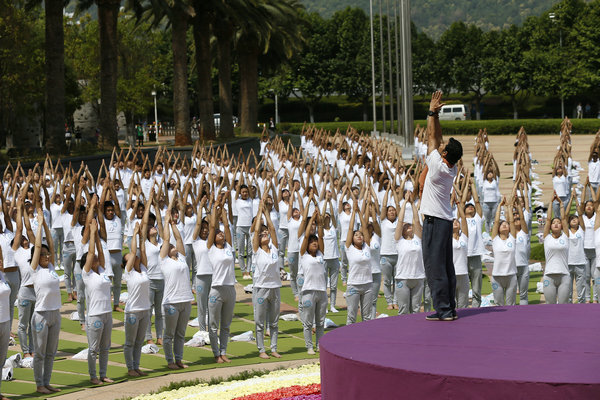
x=55 y=77
x=181 y=105
x=206 y=121
x=108 y=12
x=248 y=53
x=224 y=33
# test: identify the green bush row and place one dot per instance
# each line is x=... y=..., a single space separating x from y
x=493 y=126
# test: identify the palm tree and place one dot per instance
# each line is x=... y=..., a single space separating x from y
x=178 y=13
x=55 y=76
x=201 y=26
x=108 y=13
x=276 y=37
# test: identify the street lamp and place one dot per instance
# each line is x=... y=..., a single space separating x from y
x=554 y=19
x=155 y=114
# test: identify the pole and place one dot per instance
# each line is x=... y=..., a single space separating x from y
x=382 y=67
x=276 y=110
x=562 y=97
x=407 y=95
x=387 y=6
x=155 y=117
x=373 y=69
x=397 y=39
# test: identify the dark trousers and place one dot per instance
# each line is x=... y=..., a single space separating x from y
x=439 y=267
x=140 y=140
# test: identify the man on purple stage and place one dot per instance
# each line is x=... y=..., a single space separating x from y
x=437 y=215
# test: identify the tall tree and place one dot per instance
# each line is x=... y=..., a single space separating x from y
x=55 y=75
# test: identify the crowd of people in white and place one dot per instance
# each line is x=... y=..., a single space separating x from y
x=339 y=205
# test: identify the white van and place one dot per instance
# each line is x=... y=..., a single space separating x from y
x=455 y=112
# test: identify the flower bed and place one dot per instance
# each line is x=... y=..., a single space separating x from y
x=294 y=383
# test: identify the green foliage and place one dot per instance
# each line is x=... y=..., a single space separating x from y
x=435 y=16
x=494 y=127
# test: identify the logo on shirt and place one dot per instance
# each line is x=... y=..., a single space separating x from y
x=171 y=310
x=300 y=280
x=509 y=245
x=274 y=256
x=520 y=239
x=561 y=241
x=260 y=300
x=376 y=246
x=106 y=277
x=399 y=285
x=39 y=326
x=462 y=244
x=320 y=260
x=367 y=254
x=54 y=274
x=228 y=253
x=132 y=319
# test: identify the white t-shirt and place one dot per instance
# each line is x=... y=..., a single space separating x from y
x=283 y=210
x=189 y=224
x=576 y=252
x=375 y=247
x=438 y=187
x=459 y=254
x=7 y=252
x=504 y=256
x=266 y=272
x=410 y=259
x=22 y=257
x=345 y=225
x=153 y=257
x=55 y=210
x=594 y=171
x=557 y=254
x=331 y=250
x=178 y=288
x=4 y=300
x=47 y=289
x=560 y=185
x=475 y=246
x=65 y=220
x=138 y=287
x=114 y=233
x=359 y=265
x=203 y=263
x=388 y=243
x=293 y=240
x=490 y=191
x=522 y=249
x=244 y=210
x=589 y=223
x=314 y=272
x=97 y=292
x=223 y=265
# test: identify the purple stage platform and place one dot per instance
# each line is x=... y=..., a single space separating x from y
x=520 y=352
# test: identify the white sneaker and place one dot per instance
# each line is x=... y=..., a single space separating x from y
x=333 y=310
x=311 y=352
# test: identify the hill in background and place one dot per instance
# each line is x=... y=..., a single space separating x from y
x=435 y=16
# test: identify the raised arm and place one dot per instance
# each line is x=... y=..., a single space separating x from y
x=497 y=217
x=89 y=261
x=35 y=259
x=164 y=248
x=434 y=129
x=351 y=226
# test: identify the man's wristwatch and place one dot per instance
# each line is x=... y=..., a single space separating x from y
x=432 y=113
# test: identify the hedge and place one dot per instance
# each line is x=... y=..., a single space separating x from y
x=493 y=126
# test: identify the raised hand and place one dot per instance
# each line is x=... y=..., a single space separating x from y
x=436 y=104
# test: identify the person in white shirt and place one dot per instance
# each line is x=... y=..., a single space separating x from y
x=504 y=272
x=522 y=252
x=110 y=212
x=475 y=246
x=204 y=269
x=460 y=240
x=560 y=183
x=99 y=310
x=137 y=309
x=556 y=249
x=56 y=226
x=491 y=197
x=151 y=236
x=69 y=250
x=331 y=255
x=389 y=253
x=221 y=300
x=314 y=289
x=577 y=258
x=178 y=297
x=374 y=232
x=243 y=205
x=410 y=271
x=266 y=297
x=283 y=234
x=587 y=214
x=594 y=171
x=4 y=319
x=46 y=316
x=360 y=278
x=295 y=220
x=26 y=296
x=437 y=213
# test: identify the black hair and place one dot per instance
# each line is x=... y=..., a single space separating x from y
x=454 y=151
x=312 y=238
x=244 y=186
x=33 y=250
x=108 y=203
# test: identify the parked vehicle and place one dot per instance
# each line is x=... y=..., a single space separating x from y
x=455 y=112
